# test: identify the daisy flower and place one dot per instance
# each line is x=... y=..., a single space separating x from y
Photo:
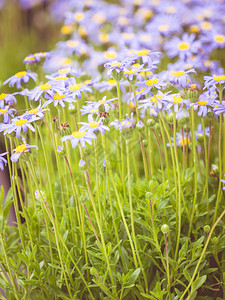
x=79 y=136
x=148 y=57
x=180 y=77
x=19 y=150
x=127 y=123
x=214 y=80
x=202 y=106
x=175 y=101
x=199 y=132
x=184 y=47
x=93 y=125
x=6 y=99
x=106 y=103
x=43 y=89
x=19 y=78
x=37 y=112
x=3 y=161
x=156 y=81
x=17 y=125
x=7 y=112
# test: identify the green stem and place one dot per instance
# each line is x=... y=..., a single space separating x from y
x=206 y=168
x=132 y=213
x=195 y=168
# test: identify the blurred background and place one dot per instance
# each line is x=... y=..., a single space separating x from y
x=27 y=26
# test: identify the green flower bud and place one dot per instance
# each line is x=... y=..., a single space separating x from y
x=150 y=123
x=182 y=121
x=157 y=127
x=215 y=169
x=170 y=119
x=61 y=151
x=140 y=126
x=40 y=195
x=117 y=76
x=153 y=184
x=72 y=109
x=210 y=115
x=200 y=138
x=145 y=143
x=101 y=108
x=148 y=195
x=214 y=240
x=165 y=228
x=207 y=228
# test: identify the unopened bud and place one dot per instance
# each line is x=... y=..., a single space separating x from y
x=165 y=228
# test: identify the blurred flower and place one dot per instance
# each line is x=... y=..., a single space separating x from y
x=3 y=161
x=19 y=78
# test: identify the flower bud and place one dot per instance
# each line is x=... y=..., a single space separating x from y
x=215 y=240
x=207 y=228
x=61 y=151
x=40 y=195
x=170 y=119
x=215 y=169
x=150 y=123
x=182 y=121
x=165 y=228
x=153 y=184
x=72 y=109
x=83 y=165
x=145 y=143
x=148 y=195
x=157 y=127
x=140 y=126
x=117 y=76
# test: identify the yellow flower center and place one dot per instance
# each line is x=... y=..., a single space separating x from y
x=176 y=99
x=110 y=54
x=44 y=87
x=3 y=111
x=75 y=87
x=2 y=96
x=93 y=124
x=219 y=78
x=78 y=16
x=29 y=58
x=58 y=97
x=153 y=99
x=99 y=18
x=66 y=29
x=130 y=71
x=202 y=102
x=146 y=72
x=62 y=71
x=59 y=78
x=220 y=38
x=33 y=111
x=178 y=73
x=67 y=61
x=206 y=25
x=116 y=64
x=184 y=142
x=127 y=123
x=163 y=28
x=21 y=74
x=183 y=46
x=20 y=122
x=141 y=91
x=194 y=28
x=103 y=37
x=101 y=101
x=78 y=134
x=72 y=44
x=21 y=148
x=111 y=81
x=143 y=52
x=86 y=82
x=94 y=110
x=152 y=81
x=136 y=65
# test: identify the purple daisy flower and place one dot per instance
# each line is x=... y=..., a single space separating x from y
x=36 y=113
x=6 y=99
x=175 y=101
x=214 y=80
x=93 y=125
x=202 y=106
x=106 y=103
x=19 y=78
x=127 y=123
x=43 y=89
x=7 y=112
x=17 y=124
x=19 y=150
x=79 y=136
x=3 y=161
x=199 y=132
x=184 y=47
x=180 y=77
x=156 y=81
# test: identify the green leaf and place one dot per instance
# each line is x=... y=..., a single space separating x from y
x=133 y=277
x=198 y=283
